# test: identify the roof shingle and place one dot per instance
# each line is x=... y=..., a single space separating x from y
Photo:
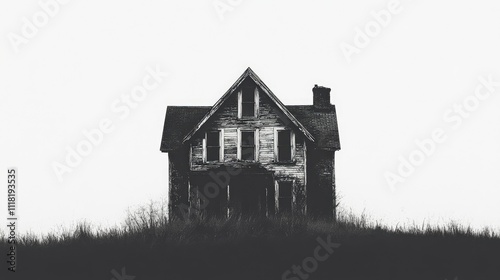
x=179 y=120
x=322 y=125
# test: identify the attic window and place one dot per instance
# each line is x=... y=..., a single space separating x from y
x=248 y=102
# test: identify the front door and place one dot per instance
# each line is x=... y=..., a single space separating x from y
x=249 y=195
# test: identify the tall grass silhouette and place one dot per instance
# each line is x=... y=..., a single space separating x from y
x=151 y=247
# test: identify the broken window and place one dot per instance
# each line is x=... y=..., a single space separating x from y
x=213 y=146
x=285 y=197
x=248 y=145
x=284 y=145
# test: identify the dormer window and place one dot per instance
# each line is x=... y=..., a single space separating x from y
x=248 y=102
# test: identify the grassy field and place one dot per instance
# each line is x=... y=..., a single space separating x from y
x=147 y=247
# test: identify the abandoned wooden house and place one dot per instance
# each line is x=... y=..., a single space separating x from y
x=249 y=154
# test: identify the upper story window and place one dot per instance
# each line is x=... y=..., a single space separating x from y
x=284 y=145
x=248 y=102
x=248 y=145
x=213 y=146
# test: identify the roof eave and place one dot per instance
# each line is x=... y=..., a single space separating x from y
x=249 y=73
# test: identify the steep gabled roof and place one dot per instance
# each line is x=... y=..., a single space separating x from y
x=249 y=73
x=181 y=121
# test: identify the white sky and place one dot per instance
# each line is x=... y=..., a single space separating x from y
x=395 y=90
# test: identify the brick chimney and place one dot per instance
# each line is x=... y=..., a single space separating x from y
x=321 y=98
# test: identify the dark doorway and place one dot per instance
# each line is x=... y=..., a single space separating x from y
x=208 y=197
x=250 y=195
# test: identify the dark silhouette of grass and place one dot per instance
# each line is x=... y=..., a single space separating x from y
x=149 y=247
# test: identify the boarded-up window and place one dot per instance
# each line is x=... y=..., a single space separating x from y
x=285 y=197
x=213 y=146
x=284 y=145
x=248 y=102
x=248 y=145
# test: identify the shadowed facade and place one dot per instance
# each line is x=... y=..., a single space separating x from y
x=251 y=155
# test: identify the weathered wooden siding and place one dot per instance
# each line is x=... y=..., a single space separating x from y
x=268 y=119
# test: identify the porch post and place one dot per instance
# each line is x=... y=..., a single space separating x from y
x=189 y=195
x=228 y=202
